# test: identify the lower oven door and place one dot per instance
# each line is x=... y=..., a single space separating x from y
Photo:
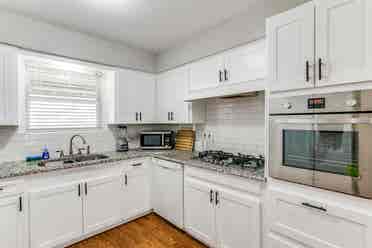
x=292 y=148
x=343 y=153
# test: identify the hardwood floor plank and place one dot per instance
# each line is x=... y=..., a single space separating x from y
x=150 y=231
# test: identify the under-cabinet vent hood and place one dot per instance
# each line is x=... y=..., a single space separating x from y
x=228 y=90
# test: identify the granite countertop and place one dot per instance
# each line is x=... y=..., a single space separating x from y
x=23 y=168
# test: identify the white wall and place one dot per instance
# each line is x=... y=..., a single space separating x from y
x=26 y=32
x=239 y=30
x=234 y=125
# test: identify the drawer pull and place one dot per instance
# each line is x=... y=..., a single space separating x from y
x=136 y=164
x=305 y=204
x=1 y=189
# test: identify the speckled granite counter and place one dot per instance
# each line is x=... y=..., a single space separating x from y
x=22 y=168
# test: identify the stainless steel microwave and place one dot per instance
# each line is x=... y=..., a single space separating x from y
x=157 y=140
x=324 y=141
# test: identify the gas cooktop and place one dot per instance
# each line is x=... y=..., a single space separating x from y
x=222 y=158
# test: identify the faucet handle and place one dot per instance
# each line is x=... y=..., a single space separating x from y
x=80 y=151
x=61 y=153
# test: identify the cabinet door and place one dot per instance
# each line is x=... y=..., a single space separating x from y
x=294 y=218
x=168 y=191
x=55 y=215
x=199 y=211
x=344 y=35
x=247 y=63
x=102 y=203
x=11 y=222
x=237 y=220
x=290 y=46
x=8 y=86
x=206 y=73
x=135 y=197
x=135 y=95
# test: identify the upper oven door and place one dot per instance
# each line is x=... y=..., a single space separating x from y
x=152 y=140
x=292 y=148
x=343 y=155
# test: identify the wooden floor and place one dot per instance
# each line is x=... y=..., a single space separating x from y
x=149 y=231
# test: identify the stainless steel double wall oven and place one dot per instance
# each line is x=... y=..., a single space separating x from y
x=323 y=140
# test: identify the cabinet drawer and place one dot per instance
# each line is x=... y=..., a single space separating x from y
x=316 y=223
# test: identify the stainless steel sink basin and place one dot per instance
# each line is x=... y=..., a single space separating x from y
x=72 y=160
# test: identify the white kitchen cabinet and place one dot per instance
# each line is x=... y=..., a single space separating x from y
x=200 y=211
x=8 y=86
x=11 y=224
x=343 y=41
x=291 y=48
x=135 y=194
x=101 y=203
x=167 y=191
x=134 y=93
x=297 y=220
x=331 y=46
x=206 y=73
x=246 y=63
x=219 y=214
x=171 y=91
x=55 y=215
x=237 y=219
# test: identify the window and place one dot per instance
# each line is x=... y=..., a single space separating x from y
x=58 y=95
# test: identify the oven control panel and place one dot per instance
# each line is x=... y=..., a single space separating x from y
x=316 y=103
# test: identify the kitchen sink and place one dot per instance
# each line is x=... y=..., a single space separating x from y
x=72 y=160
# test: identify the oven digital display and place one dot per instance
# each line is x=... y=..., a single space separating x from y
x=316 y=103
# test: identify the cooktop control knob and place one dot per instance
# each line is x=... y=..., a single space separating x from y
x=351 y=103
x=287 y=105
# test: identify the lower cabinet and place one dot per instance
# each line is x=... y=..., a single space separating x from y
x=64 y=213
x=102 y=203
x=135 y=193
x=299 y=221
x=55 y=215
x=11 y=222
x=221 y=217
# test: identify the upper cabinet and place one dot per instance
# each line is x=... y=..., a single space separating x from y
x=343 y=41
x=321 y=43
x=236 y=71
x=171 y=91
x=134 y=93
x=8 y=86
x=291 y=49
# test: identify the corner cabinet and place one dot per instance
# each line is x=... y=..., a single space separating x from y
x=171 y=90
x=297 y=220
x=220 y=216
x=321 y=43
x=134 y=93
x=239 y=70
x=8 y=86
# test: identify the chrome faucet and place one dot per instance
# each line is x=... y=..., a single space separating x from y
x=71 y=141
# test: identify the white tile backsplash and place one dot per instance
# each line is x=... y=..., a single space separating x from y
x=234 y=125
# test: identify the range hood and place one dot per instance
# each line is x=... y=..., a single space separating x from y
x=228 y=90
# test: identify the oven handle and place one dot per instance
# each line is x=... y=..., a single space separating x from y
x=308 y=121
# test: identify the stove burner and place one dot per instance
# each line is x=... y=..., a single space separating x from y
x=229 y=159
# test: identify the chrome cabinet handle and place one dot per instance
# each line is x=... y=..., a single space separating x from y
x=136 y=116
x=140 y=114
x=305 y=204
x=20 y=204
x=320 y=71
x=86 y=188
x=226 y=75
x=220 y=76
x=136 y=164
x=125 y=179
x=79 y=190
x=211 y=196
x=307 y=71
x=168 y=116
x=172 y=116
x=217 y=198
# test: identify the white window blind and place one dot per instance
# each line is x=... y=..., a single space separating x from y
x=58 y=97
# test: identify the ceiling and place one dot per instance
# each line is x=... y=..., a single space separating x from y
x=154 y=25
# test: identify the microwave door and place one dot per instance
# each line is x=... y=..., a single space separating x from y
x=343 y=157
x=292 y=143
